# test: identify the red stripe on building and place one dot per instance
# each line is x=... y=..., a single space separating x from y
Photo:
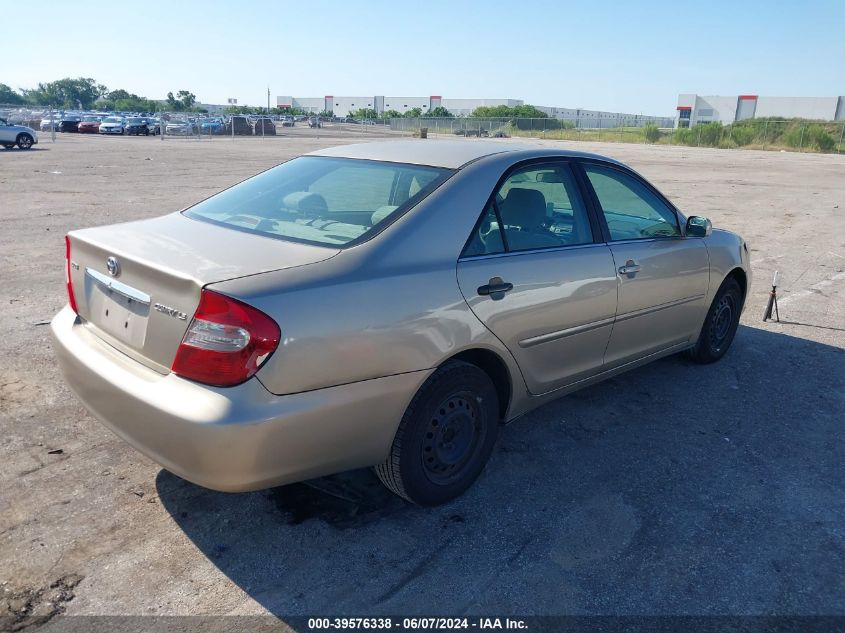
x=747 y=97
x=436 y=97
x=684 y=107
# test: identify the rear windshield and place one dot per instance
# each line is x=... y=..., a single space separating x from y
x=326 y=201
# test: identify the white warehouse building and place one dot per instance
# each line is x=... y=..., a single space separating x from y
x=343 y=106
x=693 y=108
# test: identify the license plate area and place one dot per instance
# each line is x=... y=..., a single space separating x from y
x=117 y=309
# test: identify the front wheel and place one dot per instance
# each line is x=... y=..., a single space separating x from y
x=445 y=437
x=24 y=141
x=720 y=325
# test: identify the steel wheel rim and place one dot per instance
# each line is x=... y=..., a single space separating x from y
x=722 y=322
x=25 y=142
x=453 y=437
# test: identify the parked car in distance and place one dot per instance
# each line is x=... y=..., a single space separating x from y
x=21 y=135
x=153 y=125
x=288 y=121
x=89 y=125
x=212 y=126
x=315 y=121
x=476 y=281
x=112 y=125
x=264 y=126
x=48 y=125
x=70 y=123
x=241 y=125
x=178 y=128
x=136 y=126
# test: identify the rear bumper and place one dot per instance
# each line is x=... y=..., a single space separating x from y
x=237 y=438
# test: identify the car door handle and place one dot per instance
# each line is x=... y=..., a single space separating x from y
x=495 y=285
x=630 y=268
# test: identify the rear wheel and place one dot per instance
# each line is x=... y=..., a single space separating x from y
x=24 y=141
x=445 y=437
x=720 y=325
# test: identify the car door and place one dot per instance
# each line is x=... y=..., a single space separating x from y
x=6 y=132
x=536 y=273
x=662 y=275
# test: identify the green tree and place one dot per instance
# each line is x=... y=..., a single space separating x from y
x=9 y=96
x=120 y=94
x=414 y=113
x=68 y=93
x=507 y=112
x=364 y=113
x=187 y=98
x=183 y=101
x=392 y=114
x=441 y=113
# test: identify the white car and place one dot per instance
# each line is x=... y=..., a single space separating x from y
x=112 y=125
x=178 y=128
x=22 y=136
x=47 y=124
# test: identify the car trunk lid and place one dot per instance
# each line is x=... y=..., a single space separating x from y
x=137 y=285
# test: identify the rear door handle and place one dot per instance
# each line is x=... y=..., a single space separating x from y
x=494 y=286
x=630 y=268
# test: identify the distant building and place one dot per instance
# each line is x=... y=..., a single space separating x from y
x=693 y=109
x=343 y=106
x=215 y=109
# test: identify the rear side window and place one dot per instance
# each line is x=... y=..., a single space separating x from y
x=537 y=207
x=325 y=201
x=631 y=210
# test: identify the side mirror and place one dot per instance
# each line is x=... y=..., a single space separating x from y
x=698 y=226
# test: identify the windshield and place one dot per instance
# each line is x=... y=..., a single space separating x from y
x=134 y=121
x=112 y=119
x=90 y=119
x=326 y=201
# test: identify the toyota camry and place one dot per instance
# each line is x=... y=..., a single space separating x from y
x=387 y=305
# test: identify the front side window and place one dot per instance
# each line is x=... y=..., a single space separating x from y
x=631 y=209
x=536 y=207
x=321 y=200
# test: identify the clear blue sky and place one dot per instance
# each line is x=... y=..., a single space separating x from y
x=619 y=56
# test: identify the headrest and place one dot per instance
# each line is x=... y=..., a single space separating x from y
x=306 y=202
x=382 y=212
x=549 y=176
x=525 y=208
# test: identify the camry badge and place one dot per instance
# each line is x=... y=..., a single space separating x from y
x=113 y=266
x=178 y=314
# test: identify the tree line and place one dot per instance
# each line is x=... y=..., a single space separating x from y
x=85 y=93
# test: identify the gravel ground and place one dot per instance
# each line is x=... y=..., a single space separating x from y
x=675 y=489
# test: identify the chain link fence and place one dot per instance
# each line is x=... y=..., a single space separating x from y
x=792 y=135
x=796 y=135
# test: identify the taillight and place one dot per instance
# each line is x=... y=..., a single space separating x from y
x=68 y=280
x=226 y=342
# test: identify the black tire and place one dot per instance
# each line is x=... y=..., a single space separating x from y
x=445 y=437
x=24 y=141
x=720 y=325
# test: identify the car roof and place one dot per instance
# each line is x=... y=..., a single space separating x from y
x=444 y=153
